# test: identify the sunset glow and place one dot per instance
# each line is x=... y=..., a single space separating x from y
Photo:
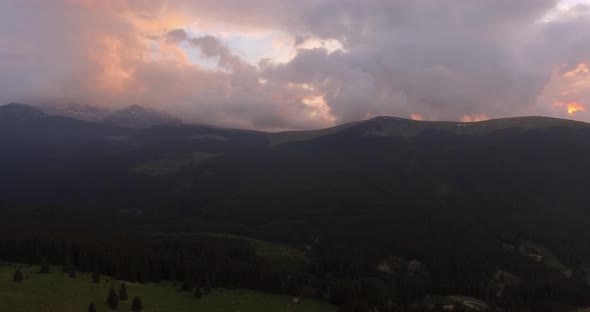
x=475 y=118
x=318 y=108
x=417 y=117
x=572 y=108
x=581 y=69
x=282 y=64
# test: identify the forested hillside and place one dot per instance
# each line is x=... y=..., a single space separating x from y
x=386 y=213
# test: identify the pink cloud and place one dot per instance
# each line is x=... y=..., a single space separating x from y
x=357 y=59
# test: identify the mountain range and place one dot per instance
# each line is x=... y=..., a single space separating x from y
x=133 y=116
x=476 y=197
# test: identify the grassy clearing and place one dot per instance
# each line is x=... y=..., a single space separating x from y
x=546 y=256
x=266 y=249
x=56 y=292
x=170 y=165
x=279 y=138
x=472 y=303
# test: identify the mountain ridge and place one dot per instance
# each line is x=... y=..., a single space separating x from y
x=136 y=117
x=20 y=111
x=397 y=126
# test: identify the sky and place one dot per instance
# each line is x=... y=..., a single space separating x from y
x=291 y=65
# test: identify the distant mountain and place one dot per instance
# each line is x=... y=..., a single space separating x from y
x=77 y=111
x=386 y=126
x=16 y=112
x=136 y=116
x=31 y=126
x=393 y=126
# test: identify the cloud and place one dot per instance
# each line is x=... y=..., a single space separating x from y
x=212 y=47
x=460 y=60
x=118 y=53
x=177 y=35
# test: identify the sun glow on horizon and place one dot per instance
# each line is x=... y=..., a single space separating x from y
x=572 y=107
x=417 y=117
x=568 y=89
x=475 y=118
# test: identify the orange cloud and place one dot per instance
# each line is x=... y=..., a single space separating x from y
x=572 y=108
x=417 y=116
x=475 y=118
x=581 y=70
x=568 y=88
x=318 y=108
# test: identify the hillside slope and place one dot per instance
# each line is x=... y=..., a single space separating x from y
x=462 y=199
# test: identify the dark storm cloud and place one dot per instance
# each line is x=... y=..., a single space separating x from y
x=177 y=35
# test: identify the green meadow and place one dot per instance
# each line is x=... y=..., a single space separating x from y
x=57 y=292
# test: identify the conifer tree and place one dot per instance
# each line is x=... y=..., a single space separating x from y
x=68 y=259
x=44 y=269
x=198 y=292
x=123 y=292
x=112 y=299
x=173 y=274
x=18 y=276
x=156 y=271
x=72 y=272
x=96 y=277
x=136 y=305
x=188 y=282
